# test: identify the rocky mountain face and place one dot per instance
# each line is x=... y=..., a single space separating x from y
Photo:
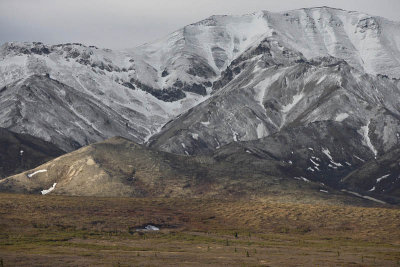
x=21 y=152
x=315 y=91
x=76 y=75
x=152 y=84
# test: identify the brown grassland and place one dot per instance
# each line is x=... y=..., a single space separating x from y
x=85 y=231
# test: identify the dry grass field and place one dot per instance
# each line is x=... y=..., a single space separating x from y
x=86 y=231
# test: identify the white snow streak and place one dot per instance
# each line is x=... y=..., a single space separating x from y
x=359 y=158
x=235 y=134
x=261 y=131
x=46 y=191
x=328 y=154
x=383 y=177
x=296 y=99
x=321 y=79
x=36 y=172
x=316 y=164
x=301 y=178
x=367 y=140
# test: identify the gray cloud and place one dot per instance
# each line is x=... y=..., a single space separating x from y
x=128 y=23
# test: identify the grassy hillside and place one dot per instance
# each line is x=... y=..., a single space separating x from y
x=81 y=231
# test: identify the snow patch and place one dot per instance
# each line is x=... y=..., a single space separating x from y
x=195 y=136
x=360 y=159
x=321 y=79
x=36 y=172
x=328 y=154
x=262 y=87
x=152 y=228
x=235 y=134
x=331 y=166
x=367 y=140
x=341 y=117
x=261 y=131
x=383 y=177
x=296 y=99
x=46 y=191
x=372 y=189
x=316 y=158
x=148 y=228
x=301 y=178
x=316 y=164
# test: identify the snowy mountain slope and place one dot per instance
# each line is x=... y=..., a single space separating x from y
x=321 y=118
x=368 y=43
x=272 y=89
x=198 y=52
x=66 y=70
x=47 y=108
x=309 y=95
x=152 y=84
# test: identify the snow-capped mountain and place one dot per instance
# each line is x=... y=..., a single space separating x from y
x=151 y=84
x=323 y=115
x=269 y=85
x=91 y=86
x=269 y=89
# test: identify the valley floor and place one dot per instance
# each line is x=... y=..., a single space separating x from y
x=85 y=231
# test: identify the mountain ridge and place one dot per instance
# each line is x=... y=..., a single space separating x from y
x=270 y=85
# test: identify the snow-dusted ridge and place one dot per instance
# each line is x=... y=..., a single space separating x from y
x=143 y=88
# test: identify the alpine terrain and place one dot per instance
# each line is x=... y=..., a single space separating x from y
x=261 y=103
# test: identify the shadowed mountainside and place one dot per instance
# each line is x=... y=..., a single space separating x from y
x=34 y=152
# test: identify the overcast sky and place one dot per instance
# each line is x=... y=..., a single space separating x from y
x=129 y=23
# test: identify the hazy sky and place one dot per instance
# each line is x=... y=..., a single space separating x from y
x=128 y=23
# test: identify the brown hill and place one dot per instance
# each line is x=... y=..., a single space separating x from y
x=119 y=167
